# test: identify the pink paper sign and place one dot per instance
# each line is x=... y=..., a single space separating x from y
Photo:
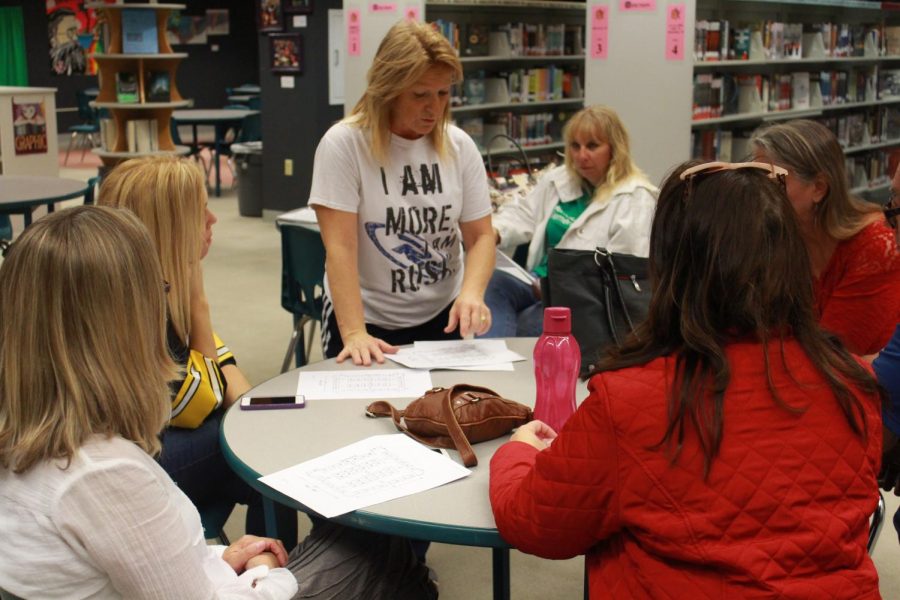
x=637 y=5
x=354 y=43
x=412 y=13
x=382 y=7
x=675 y=32
x=599 y=30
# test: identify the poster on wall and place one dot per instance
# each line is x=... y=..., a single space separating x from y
x=217 y=21
x=29 y=126
x=187 y=29
x=70 y=29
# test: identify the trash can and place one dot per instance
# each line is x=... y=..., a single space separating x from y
x=248 y=157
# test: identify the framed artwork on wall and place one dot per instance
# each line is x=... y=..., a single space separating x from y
x=286 y=53
x=269 y=15
x=300 y=7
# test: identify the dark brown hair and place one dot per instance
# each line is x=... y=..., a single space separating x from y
x=727 y=262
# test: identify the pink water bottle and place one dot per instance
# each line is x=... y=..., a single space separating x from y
x=557 y=360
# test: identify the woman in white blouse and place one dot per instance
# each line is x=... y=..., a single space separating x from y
x=85 y=511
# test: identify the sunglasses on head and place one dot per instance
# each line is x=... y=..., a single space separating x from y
x=773 y=172
x=892 y=209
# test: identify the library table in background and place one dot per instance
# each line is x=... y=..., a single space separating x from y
x=221 y=118
x=261 y=442
x=21 y=194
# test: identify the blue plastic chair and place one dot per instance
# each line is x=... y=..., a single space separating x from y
x=85 y=130
x=302 y=275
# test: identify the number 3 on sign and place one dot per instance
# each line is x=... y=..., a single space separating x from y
x=599 y=31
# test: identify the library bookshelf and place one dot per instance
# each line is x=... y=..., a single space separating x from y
x=834 y=61
x=523 y=63
x=139 y=108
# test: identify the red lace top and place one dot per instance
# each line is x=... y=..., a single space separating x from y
x=858 y=294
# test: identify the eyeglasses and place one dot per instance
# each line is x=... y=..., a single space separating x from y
x=892 y=209
x=774 y=172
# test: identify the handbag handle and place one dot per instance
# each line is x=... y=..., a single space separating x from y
x=617 y=286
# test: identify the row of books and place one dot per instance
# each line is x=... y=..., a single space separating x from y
x=870 y=170
x=717 y=95
x=156 y=87
x=772 y=40
x=141 y=135
x=519 y=86
x=513 y=39
x=853 y=130
x=528 y=129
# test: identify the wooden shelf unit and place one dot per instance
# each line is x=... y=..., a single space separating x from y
x=116 y=61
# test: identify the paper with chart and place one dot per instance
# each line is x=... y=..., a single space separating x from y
x=366 y=383
x=470 y=355
x=371 y=471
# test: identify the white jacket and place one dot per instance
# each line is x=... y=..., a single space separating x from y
x=619 y=221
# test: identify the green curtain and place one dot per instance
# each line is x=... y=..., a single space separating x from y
x=13 y=68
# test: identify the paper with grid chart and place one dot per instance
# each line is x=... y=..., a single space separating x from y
x=371 y=471
x=367 y=384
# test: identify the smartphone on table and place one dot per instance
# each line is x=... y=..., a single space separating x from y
x=272 y=402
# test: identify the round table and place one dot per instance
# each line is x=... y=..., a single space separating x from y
x=21 y=194
x=221 y=118
x=258 y=443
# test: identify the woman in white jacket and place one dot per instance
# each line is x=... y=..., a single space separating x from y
x=598 y=198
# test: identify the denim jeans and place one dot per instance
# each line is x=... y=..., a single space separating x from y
x=193 y=459
x=515 y=312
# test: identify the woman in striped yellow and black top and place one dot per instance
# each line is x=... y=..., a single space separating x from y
x=169 y=195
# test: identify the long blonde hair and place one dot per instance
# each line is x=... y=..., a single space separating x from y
x=167 y=194
x=808 y=150
x=82 y=337
x=602 y=123
x=406 y=53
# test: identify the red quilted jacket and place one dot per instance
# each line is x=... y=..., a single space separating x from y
x=784 y=512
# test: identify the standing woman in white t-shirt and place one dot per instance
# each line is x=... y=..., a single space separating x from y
x=396 y=188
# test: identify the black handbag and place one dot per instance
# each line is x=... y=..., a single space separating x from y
x=608 y=294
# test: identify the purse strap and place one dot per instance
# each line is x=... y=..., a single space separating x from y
x=382 y=408
x=609 y=267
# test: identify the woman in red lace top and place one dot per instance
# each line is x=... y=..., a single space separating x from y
x=855 y=262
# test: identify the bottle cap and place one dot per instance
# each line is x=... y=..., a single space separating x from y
x=558 y=320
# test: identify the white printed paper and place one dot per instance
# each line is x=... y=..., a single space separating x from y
x=507 y=265
x=364 y=383
x=455 y=354
x=371 y=471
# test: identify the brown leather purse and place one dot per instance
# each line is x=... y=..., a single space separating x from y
x=455 y=416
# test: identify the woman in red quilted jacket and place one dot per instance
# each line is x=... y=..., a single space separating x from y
x=730 y=448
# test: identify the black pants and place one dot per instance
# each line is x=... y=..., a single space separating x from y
x=430 y=330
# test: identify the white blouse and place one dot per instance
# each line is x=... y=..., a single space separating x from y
x=114 y=525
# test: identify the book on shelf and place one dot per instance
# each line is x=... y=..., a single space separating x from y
x=800 y=90
x=139 y=32
x=142 y=135
x=574 y=40
x=158 y=86
x=476 y=40
x=892 y=40
x=127 y=91
x=108 y=134
x=793 y=41
x=889 y=84
x=474 y=126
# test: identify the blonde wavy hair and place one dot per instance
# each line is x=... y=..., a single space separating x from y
x=406 y=53
x=82 y=337
x=602 y=123
x=168 y=195
x=808 y=149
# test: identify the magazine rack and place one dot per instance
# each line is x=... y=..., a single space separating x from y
x=136 y=58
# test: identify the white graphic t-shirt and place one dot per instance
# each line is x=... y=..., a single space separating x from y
x=409 y=244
